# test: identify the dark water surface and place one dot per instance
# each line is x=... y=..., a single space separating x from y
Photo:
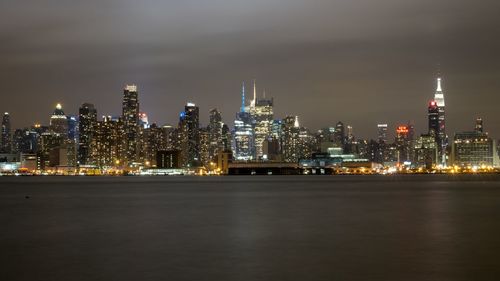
x=250 y=228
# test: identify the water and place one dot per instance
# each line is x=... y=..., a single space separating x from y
x=250 y=228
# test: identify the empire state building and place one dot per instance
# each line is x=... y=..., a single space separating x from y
x=437 y=122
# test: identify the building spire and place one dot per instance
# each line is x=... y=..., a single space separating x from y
x=243 y=96
x=254 y=93
x=438 y=89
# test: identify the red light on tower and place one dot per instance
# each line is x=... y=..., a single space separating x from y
x=432 y=103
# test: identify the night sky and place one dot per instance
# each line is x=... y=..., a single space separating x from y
x=358 y=61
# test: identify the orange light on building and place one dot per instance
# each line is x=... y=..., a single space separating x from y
x=402 y=130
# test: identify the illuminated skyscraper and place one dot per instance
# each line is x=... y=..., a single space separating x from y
x=215 y=134
x=437 y=124
x=130 y=117
x=108 y=143
x=262 y=115
x=404 y=143
x=189 y=135
x=6 y=139
x=290 y=145
x=87 y=116
x=59 y=122
x=243 y=134
x=205 y=147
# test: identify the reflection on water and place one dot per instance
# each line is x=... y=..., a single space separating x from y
x=250 y=228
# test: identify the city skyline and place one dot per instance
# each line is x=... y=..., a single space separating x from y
x=317 y=60
x=227 y=118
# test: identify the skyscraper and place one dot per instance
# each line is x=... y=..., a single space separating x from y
x=189 y=125
x=130 y=116
x=108 y=141
x=6 y=139
x=290 y=139
x=437 y=126
x=59 y=122
x=262 y=115
x=215 y=133
x=87 y=116
x=404 y=143
x=243 y=134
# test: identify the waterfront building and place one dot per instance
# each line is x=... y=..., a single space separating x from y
x=109 y=143
x=474 y=149
x=168 y=159
x=151 y=141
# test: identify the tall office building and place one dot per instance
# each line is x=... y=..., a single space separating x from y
x=189 y=124
x=205 y=158
x=59 y=122
x=243 y=132
x=108 y=145
x=6 y=139
x=290 y=139
x=87 y=116
x=215 y=134
x=151 y=141
x=404 y=138
x=130 y=117
x=262 y=115
x=437 y=122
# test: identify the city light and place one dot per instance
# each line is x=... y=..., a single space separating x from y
x=257 y=143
